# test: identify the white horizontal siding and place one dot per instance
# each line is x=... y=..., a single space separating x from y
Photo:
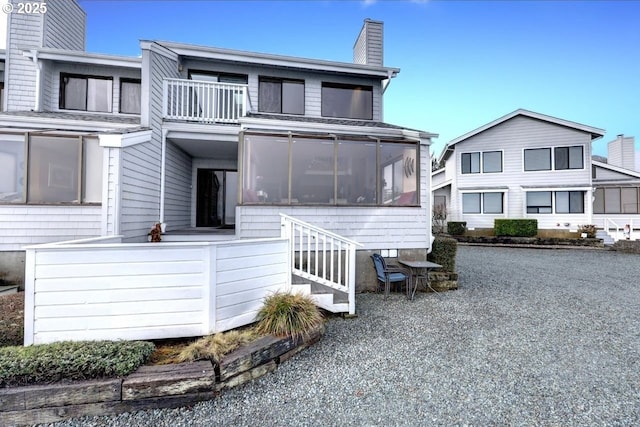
x=247 y=273
x=178 y=181
x=64 y=25
x=22 y=225
x=24 y=31
x=375 y=228
x=148 y=290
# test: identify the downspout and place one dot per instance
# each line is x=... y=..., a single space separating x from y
x=163 y=173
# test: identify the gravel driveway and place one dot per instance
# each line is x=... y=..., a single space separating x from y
x=531 y=337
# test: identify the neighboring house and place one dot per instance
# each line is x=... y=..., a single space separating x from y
x=522 y=165
x=616 y=188
x=214 y=143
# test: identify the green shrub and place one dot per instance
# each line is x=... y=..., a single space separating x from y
x=516 y=227
x=78 y=360
x=286 y=314
x=443 y=252
x=456 y=228
x=12 y=319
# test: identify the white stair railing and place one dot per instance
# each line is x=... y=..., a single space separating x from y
x=622 y=232
x=202 y=101
x=321 y=256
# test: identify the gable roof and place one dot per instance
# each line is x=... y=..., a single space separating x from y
x=630 y=173
x=594 y=132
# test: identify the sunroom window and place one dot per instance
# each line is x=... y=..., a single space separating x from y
x=303 y=170
x=55 y=170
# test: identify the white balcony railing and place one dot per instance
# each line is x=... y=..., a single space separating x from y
x=206 y=102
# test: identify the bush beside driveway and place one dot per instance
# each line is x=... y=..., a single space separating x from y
x=531 y=337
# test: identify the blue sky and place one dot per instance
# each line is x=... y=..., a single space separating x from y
x=463 y=63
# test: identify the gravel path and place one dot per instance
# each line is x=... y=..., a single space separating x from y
x=531 y=337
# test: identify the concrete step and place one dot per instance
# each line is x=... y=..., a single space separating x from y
x=606 y=237
x=8 y=289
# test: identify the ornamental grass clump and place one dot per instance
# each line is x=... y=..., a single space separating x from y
x=286 y=314
x=213 y=347
x=71 y=360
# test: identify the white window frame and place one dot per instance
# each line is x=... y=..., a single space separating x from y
x=553 y=158
x=482 y=210
x=481 y=170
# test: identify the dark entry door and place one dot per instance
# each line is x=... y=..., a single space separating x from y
x=216 y=198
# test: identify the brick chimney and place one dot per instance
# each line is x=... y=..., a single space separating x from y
x=367 y=49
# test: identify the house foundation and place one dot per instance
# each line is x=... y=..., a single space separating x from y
x=12 y=268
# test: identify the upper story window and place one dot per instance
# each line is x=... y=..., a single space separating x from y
x=281 y=96
x=562 y=158
x=347 y=101
x=130 y=90
x=538 y=159
x=488 y=162
x=86 y=93
x=568 y=157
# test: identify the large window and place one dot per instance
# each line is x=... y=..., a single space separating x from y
x=470 y=163
x=488 y=162
x=538 y=159
x=486 y=203
x=565 y=202
x=569 y=201
x=539 y=202
x=329 y=171
x=86 y=93
x=281 y=96
x=347 y=101
x=130 y=90
x=55 y=169
x=568 y=157
x=617 y=200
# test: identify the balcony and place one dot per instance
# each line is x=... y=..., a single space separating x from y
x=204 y=102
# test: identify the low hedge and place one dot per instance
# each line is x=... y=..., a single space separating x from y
x=443 y=252
x=71 y=360
x=515 y=227
x=456 y=228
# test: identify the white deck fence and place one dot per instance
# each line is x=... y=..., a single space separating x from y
x=203 y=101
x=103 y=289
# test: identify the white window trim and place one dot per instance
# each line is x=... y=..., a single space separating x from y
x=553 y=158
x=481 y=163
x=587 y=201
x=505 y=202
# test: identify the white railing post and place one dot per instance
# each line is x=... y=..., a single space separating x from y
x=352 y=279
x=29 y=296
x=165 y=98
